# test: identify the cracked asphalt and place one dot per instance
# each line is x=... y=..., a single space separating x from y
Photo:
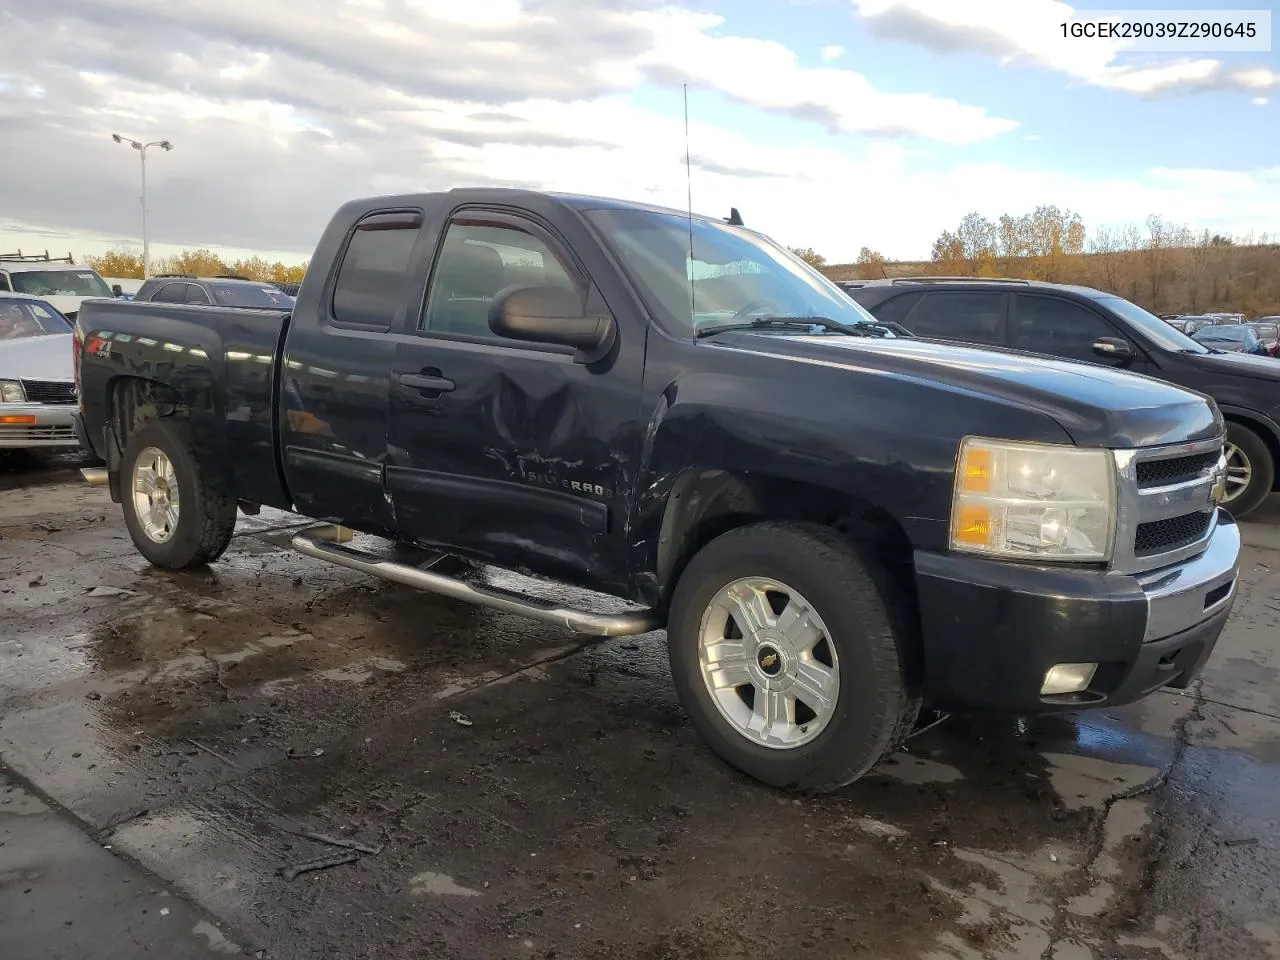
x=295 y=761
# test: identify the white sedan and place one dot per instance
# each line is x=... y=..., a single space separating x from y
x=37 y=383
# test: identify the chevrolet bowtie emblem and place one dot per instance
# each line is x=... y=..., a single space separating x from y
x=769 y=661
x=1218 y=492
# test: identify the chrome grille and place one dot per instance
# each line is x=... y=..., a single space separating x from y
x=50 y=391
x=1165 y=513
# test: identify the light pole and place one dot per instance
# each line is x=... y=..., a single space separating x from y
x=142 y=152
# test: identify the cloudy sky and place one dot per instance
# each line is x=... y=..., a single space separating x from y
x=828 y=123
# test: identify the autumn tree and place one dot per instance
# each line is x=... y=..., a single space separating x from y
x=948 y=253
x=117 y=263
x=871 y=264
x=810 y=256
x=201 y=262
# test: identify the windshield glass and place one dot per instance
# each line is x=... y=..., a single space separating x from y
x=736 y=275
x=59 y=283
x=1232 y=333
x=20 y=319
x=250 y=295
x=1267 y=331
x=1156 y=330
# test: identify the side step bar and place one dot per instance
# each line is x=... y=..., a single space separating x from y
x=579 y=621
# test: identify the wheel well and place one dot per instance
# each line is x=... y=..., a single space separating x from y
x=705 y=504
x=130 y=401
x=1266 y=436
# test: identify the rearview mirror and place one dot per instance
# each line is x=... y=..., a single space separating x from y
x=549 y=314
x=1113 y=348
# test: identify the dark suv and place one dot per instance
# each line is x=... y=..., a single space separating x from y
x=226 y=291
x=1079 y=323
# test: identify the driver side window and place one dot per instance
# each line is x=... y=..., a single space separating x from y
x=478 y=259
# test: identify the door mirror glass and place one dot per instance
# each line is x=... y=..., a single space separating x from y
x=552 y=314
x=1113 y=348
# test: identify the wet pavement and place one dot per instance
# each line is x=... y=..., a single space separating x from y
x=456 y=783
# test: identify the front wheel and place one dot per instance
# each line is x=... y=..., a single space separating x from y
x=1251 y=470
x=790 y=649
x=176 y=516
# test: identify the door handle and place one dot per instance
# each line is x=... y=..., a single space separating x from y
x=427 y=381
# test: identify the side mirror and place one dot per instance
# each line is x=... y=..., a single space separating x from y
x=117 y=290
x=1113 y=348
x=547 y=314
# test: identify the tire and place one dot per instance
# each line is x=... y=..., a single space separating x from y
x=871 y=642
x=1247 y=450
x=206 y=515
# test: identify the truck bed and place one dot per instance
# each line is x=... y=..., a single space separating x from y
x=226 y=362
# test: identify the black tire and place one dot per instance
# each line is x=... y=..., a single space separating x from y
x=868 y=621
x=206 y=514
x=1262 y=464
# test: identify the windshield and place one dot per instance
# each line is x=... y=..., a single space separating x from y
x=1232 y=333
x=1156 y=330
x=59 y=283
x=736 y=275
x=1268 y=331
x=250 y=295
x=20 y=319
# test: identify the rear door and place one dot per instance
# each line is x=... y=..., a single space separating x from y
x=507 y=450
x=334 y=376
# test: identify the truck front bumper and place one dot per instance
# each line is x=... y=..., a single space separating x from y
x=24 y=425
x=993 y=631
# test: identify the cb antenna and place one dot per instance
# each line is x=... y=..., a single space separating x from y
x=688 y=181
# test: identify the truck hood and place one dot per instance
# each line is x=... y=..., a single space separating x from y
x=37 y=358
x=1098 y=406
x=1237 y=364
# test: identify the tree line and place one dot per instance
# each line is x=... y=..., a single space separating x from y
x=201 y=262
x=1161 y=265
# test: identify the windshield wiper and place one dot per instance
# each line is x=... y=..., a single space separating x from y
x=862 y=328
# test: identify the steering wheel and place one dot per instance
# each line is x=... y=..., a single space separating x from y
x=753 y=307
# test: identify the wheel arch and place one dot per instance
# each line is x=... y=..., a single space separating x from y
x=1266 y=429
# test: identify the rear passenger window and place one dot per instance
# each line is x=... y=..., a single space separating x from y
x=972 y=317
x=895 y=309
x=373 y=280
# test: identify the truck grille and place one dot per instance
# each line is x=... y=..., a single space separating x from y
x=1160 y=473
x=1166 y=513
x=1159 y=536
x=50 y=391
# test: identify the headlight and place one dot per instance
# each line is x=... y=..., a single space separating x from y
x=1033 y=501
x=11 y=392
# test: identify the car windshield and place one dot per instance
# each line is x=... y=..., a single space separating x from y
x=733 y=276
x=59 y=283
x=1268 y=331
x=250 y=295
x=1156 y=330
x=20 y=319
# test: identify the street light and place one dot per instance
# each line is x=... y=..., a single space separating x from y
x=142 y=152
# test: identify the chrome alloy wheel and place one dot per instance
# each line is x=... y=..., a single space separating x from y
x=768 y=663
x=1239 y=471
x=155 y=495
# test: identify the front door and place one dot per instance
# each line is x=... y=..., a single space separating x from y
x=508 y=451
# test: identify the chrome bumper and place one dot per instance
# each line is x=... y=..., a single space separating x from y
x=24 y=425
x=1186 y=594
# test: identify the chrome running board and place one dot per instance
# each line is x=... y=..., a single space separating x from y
x=626 y=623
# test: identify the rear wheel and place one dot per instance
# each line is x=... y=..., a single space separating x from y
x=176 y=516
x=1251 y=470
x=790 y=648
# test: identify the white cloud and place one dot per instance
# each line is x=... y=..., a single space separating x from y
x=833 y=52
x=1029 y=31
x=1260 y=101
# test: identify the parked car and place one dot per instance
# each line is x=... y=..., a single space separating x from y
x=37 y=385
x=1232 y=339
x=833 y=524
x=1091 y=326
x=1228 y=318
x=59 y=281
x=218 y=291
x=1268 y=329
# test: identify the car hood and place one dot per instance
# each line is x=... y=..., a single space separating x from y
x=1251 y=365
x=1096 y=405
x=37 y=358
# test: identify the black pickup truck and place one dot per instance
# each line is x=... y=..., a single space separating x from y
x=833 y=523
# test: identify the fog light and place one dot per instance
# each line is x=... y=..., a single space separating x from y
x=1068 y=678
